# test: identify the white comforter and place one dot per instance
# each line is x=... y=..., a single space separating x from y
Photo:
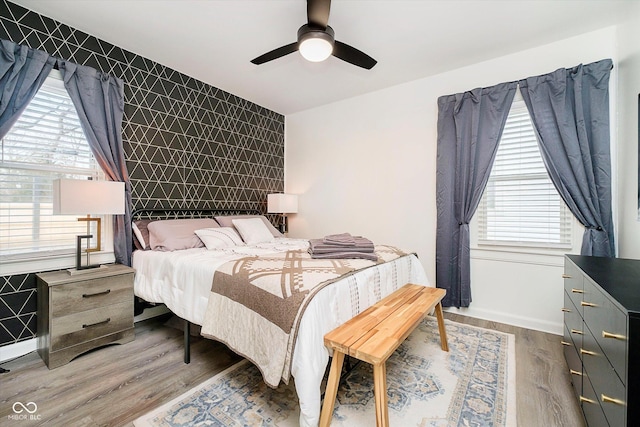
x=182 y=281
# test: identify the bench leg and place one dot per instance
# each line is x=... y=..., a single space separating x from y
x=332 y=389
x=380 y=392
x=443 y=332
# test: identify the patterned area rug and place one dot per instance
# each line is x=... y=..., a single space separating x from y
x=472 y=385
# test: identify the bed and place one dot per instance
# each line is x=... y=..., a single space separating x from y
x=182 y=280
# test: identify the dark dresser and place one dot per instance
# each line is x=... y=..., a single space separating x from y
x=601 y=342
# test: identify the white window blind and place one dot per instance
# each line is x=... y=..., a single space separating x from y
x=520 y=206
x=47 y=142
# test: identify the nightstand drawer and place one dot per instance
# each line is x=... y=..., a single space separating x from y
x=90 y=294
x=76 y=328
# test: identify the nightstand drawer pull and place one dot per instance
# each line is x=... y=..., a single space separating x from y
x=575 y=331
x=566 y=310
x=96 y=294
x=566 y=276
x=577 y=291
x=606 y=334
x=588 y=304
x=565 y=343
x=590 y=353
x=607 y=399
x=575 y=372
x=97 y=323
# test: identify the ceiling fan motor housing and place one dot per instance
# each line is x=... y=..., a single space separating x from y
x=307 y=32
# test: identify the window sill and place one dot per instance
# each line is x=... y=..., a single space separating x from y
x=542 y=256
x=36 y=265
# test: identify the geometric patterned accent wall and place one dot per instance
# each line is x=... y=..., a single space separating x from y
x=187 y=144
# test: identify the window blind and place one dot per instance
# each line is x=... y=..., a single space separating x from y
x=46 y=143
x=520 y=206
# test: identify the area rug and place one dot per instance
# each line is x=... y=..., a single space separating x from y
x=471 y=385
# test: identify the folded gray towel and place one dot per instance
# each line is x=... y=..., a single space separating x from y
x=345 y=255
x=361 y=245
x=342 y=239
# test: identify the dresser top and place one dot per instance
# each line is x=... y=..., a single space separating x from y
x=619 y=277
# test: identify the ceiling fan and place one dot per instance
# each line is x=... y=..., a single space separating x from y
x=316 y=41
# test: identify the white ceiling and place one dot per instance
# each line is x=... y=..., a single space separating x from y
x=214 y=40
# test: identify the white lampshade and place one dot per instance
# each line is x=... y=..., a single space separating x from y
x=282 y=203
x=74 y=196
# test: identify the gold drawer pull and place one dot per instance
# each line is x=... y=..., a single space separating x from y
x=606 y=334
x=566 y=310
x=584 y=399
x=607 y=399
x=566 y=276
x=96 y=294
x=588 y=304
x=590 y=353
x=577 y=291
x=575 y=372
x=575 y=331
x=97 y=323
x=565 y=343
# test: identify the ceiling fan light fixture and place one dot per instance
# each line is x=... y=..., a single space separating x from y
x=315 y=44
x=315 y=49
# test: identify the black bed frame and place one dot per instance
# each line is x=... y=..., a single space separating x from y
x=159 y=214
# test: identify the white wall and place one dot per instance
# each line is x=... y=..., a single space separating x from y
x=366 y=166
x=629 y=88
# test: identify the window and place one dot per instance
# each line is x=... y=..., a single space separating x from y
x=520 y=206
x=46 y=143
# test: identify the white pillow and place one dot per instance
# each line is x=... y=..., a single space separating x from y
x=253 y=230
x=138 y=234
x=218 y=238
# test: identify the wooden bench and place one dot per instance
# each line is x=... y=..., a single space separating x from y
x=373 y=335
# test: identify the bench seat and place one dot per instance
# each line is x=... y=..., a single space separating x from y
x=373 y=335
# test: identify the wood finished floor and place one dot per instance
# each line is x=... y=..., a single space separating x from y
x=115 y=385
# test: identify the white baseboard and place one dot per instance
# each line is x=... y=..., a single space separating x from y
x=510 y=319
x=11 y=351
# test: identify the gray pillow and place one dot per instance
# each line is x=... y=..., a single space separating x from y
x=176 y=234
x=227 y=221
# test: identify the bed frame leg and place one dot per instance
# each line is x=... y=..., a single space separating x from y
x=187 y=341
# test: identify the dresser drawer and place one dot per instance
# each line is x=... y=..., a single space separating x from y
x=608 y=324
x=608 y=388
x=572 y=320
x=573 y=362
x=90 y=294
x=573 y=284
x=590 y=405
x=76 y=328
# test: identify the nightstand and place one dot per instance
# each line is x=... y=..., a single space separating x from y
x=78 y=313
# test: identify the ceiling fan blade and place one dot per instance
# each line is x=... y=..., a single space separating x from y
x=276 y=53
x=318 y=12
x=352 y=55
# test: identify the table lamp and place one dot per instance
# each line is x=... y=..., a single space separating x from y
x=74 y=196
x=283 y=204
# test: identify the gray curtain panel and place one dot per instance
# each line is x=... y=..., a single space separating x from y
x=22 y=73
x=570 y=112
x=469 y=128
x=99 y=100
